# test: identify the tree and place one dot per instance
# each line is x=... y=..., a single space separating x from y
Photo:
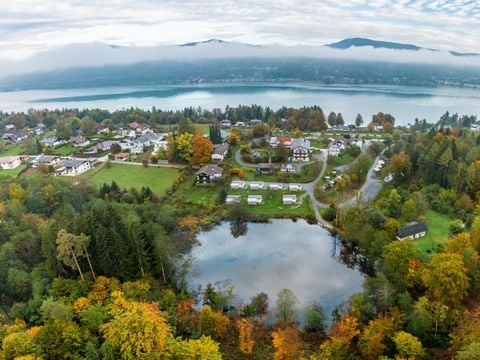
x=184 y=146
x=400 y=166
x=71 y=247
x=398 y=257
x=339 y=120
x=409 y=210
x=444 y=162
x=258 y=305
x=358 y=120
x=408 y=346
x=287 y=343
x=259 y=131
x=470 y=352
x=315 y=319
x=185 y=125
x=286 y=307
x=202 y=150
x=245 y=336
x=196 y=349
x=332 y=119
x=137 y=330
x=446 y=280
x=17 y=344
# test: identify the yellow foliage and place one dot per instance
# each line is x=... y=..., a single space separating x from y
x=33 y=331
x=287 y=343
x=201 y=349
x=137 y=330
x=16 y=192
x=245 y=335
x=190 y=223
x=80 y=304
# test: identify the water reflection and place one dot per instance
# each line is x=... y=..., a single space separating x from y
x=279 y=254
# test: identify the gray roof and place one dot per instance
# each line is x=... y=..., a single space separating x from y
x=411 y=229
x=210 y=170
x=300 y=142
x=46 y=159
x=73 y=163
x=220 y=149
x=148 y=137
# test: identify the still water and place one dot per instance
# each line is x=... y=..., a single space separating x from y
x=404 y=102
x=280 y=254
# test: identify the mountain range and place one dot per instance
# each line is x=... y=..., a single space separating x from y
x=353 y=60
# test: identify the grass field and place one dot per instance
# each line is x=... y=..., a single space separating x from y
x=65 y=150
x=437 y=234
x=273 y=204
x=13 y=172
x=342 y=159
x=12 y=150
x=132 y=176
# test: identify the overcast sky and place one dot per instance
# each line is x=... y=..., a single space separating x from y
x=27 y=26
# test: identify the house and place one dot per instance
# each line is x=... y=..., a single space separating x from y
x=277 y=140
x=101 y=146
x=239 y=124
x=295 y=187
x=209 y=174
x=219 y=152
x=265 y=168
x=49 y=160
x=38 y=130
x=413 y=230
x=121 y=156
x=289 y=199
x=288 y=168
x=254 y=199
x=238 y=184
x=14 y=137
x=101 y=129
x=160 y=146
x=133 y=125
x=275 y=186
x=233 y=199
x=256 y=185
x=79 y=141
x=143 y=129
x=73 y=167
x=254 y=122
x=51 y=141
x=337 y=146
x=225 y=123
x=339 y=128
x=10 y=162
x=149 y=139
x=9 y=127
x=300 y=149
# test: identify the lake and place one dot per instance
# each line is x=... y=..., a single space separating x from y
x=404 y=102
x=305 y=258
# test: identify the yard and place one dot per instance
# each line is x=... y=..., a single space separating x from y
x=13 y=172
x=65 y=150
x=437 y=234
x=12 y=150
x=133 y=176
x=343 y=159
x=273 y=204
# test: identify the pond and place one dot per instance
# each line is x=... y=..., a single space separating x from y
x=279 y=254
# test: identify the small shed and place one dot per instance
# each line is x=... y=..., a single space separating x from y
x=275 y=186
x=256 y=185
x=233 y=199
x=238 y=184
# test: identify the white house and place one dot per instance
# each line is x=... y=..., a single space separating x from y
x=149 y=139
x=337 y=146
x=254 y=199
x=10 y=162
x=289 y=199
x=275 y=186
x=9 y=127
x=233 y=199
x=225 y=123
x=79 y=141
x=295 y=187
x=219 y=152
x=73 y=167
x=238 y=184
x=51 y=141
x=49 y=160
x=413 y=230
x=256 y=185
x=288 y=168
x=301 y=149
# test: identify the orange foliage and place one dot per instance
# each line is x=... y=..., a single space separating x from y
x=245 y=335
x=189 y=222
x=287 y=343
x=202 y=150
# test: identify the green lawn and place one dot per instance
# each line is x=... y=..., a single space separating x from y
x=65 y=150
x=273 y=204
x=13 y=172
x=437 y=234
x=342 y=159
x=12 y=150
x=132 y=176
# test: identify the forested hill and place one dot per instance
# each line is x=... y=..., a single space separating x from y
x=245 y=70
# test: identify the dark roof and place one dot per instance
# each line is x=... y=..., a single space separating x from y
x=411 y=229
x=220 y=148
x=210 y=170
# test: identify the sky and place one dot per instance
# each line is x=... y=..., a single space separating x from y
x=29 y=26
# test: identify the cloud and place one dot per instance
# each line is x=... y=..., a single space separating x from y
x=29 y=26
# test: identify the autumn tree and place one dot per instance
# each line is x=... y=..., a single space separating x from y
x=202 y=150
x=245 y=335
x=184 y=146
x=287 y=343
x=446 y=280
x=408 y=346
x=400 y=166
x=70 y=248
